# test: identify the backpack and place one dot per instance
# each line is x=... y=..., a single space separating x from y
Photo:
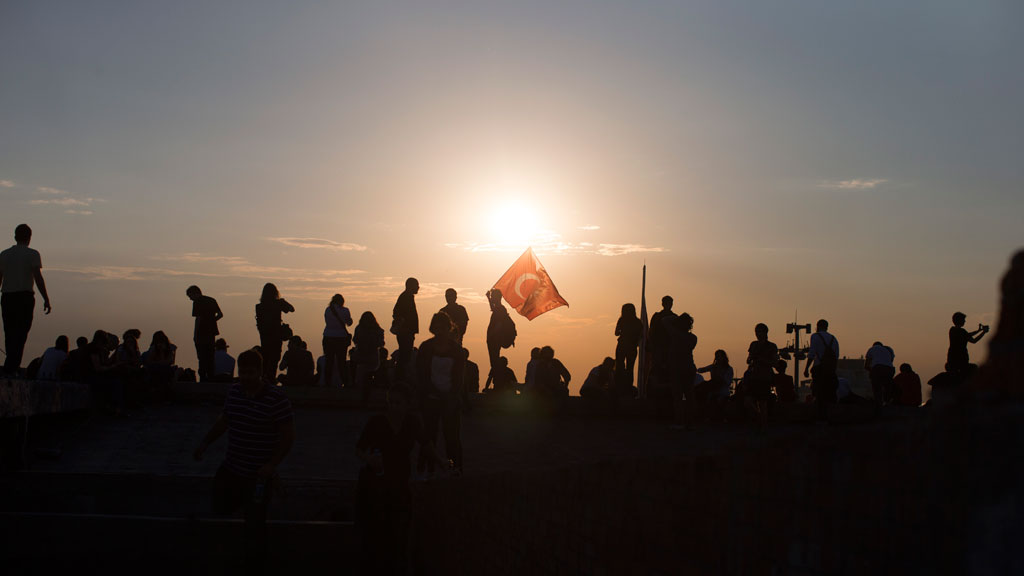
x=506 y=332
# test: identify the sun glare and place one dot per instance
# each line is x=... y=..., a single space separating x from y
x=514 y=223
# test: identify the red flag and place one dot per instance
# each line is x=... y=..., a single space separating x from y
x=527 y=287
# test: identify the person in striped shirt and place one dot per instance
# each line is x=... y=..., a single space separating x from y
x=260 y=425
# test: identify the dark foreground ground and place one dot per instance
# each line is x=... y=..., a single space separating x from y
x=915 y=492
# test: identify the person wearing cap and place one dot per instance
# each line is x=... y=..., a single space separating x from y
x=223 y=363
x=20 y=267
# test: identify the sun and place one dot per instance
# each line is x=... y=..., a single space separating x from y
x=513 y=223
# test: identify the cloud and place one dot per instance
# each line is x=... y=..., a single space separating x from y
x=855 y=184
x=61 y=202
x=6 y=184
x=589 y=227
x=552 y=243
x=48 y=190
x=320 y=243
x=623 y=249
x=79 y=212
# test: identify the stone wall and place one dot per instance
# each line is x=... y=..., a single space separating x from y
x=932 y=493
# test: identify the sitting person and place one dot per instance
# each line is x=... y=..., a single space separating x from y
x=223 y=363
x=53 y=360
x=845 y=394
x=719 y=385
x=600 y=381
x=74 y=368
x=502 y=377
x=552 y=376
x=783 y=383
x=907 y=387
x=297 y=361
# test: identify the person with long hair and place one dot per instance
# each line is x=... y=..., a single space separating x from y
x=629 y=330
x=268 y=323
x=368 y=340
x=336 y=340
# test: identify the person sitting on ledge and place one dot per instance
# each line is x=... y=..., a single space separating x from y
x=600 y=380
x=223 y=363
x=552 y=376
x=783 y=383
x=298 y=362
x=907 y=387
x=502 y=377
x=53 y=359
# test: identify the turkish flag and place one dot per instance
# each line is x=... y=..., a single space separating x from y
x=527 y=287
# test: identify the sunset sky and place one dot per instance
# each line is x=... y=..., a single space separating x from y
x=860 y=162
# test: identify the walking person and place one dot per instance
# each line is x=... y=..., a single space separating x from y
x=821 y=366
x=20 y=267
x=405 y=325
x=259 y=421
x=629 y=330
x=207 y=313
x=272 y=331
x=336 y=340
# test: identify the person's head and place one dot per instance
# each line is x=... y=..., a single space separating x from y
x=547 y=353
x=337 y=300
x=780 y=366
x=250 y=366
x=193 y=292
x=465 y=353
x=721 y=358
x=61 y=343
x=99 y=337
x=608 y=364
x=295 y=343
x=534 y=353
x=628 y=310
x=494 y=297
x=761 y=331
x=959 y=319
x=666 y=302
x=685 y=321
x=399 y=399
x=112 y=341
x=270 y=293
x=368 y=319
x=877 y=343
x=822 y=325
x=450 y=295
x=81 y=342
x=412 y=285
x=22 y=234
x=440 y=324
x=906 y=369
x=133 y=333
x=160 y=340
x=220 y=344
x=502 y=362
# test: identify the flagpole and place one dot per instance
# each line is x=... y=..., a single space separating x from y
x=642 y=371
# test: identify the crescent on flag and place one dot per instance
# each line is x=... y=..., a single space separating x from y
x=543 y=296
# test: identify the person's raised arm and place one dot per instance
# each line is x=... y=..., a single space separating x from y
x=973 y=337
x=218 y=428
x=285 y=306
x=37 y=273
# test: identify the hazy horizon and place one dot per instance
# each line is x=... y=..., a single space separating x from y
x=857 y=163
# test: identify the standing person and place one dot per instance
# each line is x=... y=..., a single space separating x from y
x=499 y=328
x=272 y=331
x=260 y=425
x=383 y=499
x=762 y=357
x=821 y=366
x=405 y=325
x=630 y=331
x=440 y=364
x=457 y=313
x=20 y=266
x=207 y=313
x=336 y=341
x=682 y=342
x=958 y=360
x=658 y=341
x=878 y=361
x=368 y=340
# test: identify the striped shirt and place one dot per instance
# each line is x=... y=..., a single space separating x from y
x=254 y=427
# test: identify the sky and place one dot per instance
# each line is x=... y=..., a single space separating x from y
x=860 y=162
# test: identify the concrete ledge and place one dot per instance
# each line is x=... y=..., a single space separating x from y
x=30 y=397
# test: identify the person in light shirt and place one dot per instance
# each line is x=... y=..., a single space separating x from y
x=20 y=267
x=879 y=363
x=53 y=360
